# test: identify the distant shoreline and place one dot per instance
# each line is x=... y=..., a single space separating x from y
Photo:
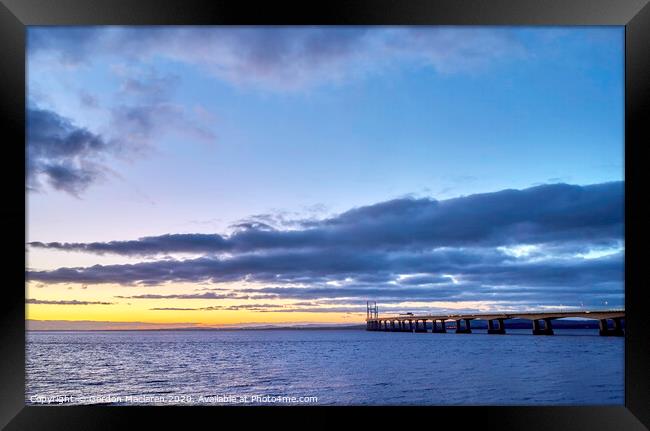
x=320 y=328
x=558 y=324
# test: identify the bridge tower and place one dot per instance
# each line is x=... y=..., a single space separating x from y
x=372 y=313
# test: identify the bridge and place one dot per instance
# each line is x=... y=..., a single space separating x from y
x=609 y=321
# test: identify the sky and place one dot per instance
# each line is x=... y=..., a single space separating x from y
x=211 y=176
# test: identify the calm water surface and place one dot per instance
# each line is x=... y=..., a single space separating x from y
x=344 y=367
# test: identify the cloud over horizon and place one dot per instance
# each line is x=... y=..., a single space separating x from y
x=560 y=214
x=539 y=245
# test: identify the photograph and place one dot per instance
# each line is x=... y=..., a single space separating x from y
x=325 y=215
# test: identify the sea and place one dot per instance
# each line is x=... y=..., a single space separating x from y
x=323 y=367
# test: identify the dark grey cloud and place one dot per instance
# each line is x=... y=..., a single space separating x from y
x=206 y=295
x=286 y=266
x=249 y=307
x=316 y=310
x=586 y=280
x=67 y=156
x=65 y=302
x=557 y=214
x=163 y=244
x=424 y=279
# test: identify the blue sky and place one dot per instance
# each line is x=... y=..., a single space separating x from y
x=149 y=132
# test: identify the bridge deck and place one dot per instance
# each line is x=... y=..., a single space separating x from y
x=535 y=315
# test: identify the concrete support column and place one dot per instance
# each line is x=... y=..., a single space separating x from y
x=538 y=330
x=616 y=331
x=423 y=328
x=493 y=328
x=548 y=326
x=411 y=325
x=438 y=329
x=466 y=330
x=617 y=324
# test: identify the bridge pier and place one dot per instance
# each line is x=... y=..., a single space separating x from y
x=616 y=331
x=496 y=329
x=435 y=329
x=610 y=321
x=466 y=330
x=546 y=330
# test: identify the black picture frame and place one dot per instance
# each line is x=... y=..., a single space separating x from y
x=15 y=15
